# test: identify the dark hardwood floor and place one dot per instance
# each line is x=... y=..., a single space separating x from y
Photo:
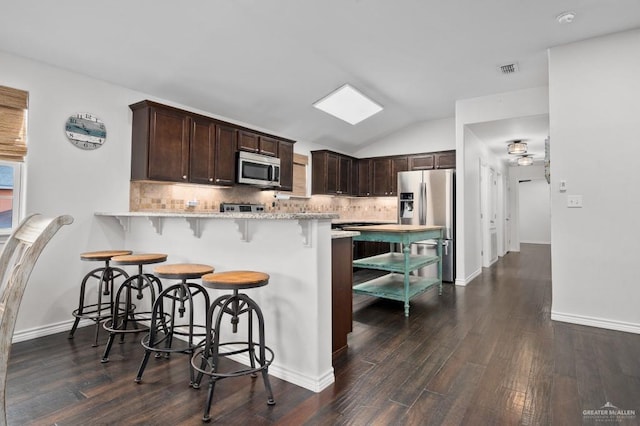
x=483 y=354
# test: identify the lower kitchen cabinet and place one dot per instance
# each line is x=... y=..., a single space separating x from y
x=341 y=293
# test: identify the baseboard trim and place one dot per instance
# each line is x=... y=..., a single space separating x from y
x=464 y=281
x=33 y=333
x=314 y=384
x=535 y=242
x=627 y=327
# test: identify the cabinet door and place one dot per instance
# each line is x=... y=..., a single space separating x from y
x=332 y=174
x=225 y=155
x=363 y=188
x=202 y=151
x=422 y=162
x=380 y=172
x=169 y=145
x=285 y=153
x=399 y=164
x=446 y=160
x=268 y=146
x=345 y=176
x=248 y=141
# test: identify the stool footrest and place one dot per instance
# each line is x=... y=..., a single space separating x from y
x=202 y=364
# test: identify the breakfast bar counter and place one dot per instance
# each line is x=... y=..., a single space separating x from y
x=294 y=249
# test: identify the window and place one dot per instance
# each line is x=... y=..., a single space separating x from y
x=10 y=177
x=13 y=149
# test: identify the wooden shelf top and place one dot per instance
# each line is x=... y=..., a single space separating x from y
x=392 y=228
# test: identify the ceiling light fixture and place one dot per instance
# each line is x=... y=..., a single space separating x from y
x=348 y=104
x=525 y=161
x=517 y=147
x=566 y=17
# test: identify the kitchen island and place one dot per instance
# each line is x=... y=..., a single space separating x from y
x=399 y=284
x=293 y=248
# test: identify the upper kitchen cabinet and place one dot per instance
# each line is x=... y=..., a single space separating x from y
x=331 y=173
x=285 y=153
x=362 y=177
x=160 y=143
x=384 y=174
x=169 y=144
x=213 y=153
x=446 y=159
x=253 y=142
x=433 y=160
x=421 y=162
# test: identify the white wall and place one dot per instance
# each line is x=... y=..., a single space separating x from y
x=594 y=93
x=426 y=136
x=469 y=153
x=62 y=179
x=534 y=172
x=535 y=212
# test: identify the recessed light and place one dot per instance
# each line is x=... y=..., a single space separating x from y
x=566 y=17
x=348 y=104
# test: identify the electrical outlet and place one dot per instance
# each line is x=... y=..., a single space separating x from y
x=574 y=201
x=563 y=186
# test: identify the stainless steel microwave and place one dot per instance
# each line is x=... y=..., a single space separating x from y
x=257 y=169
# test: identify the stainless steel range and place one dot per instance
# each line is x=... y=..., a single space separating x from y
x=241 y=208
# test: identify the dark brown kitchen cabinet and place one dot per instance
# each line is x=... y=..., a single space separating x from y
x=253 y=142
x=384 y=174
x=421 y=162
x=169 y=144
x=285 y=153
x=363 y=177
x=331 y=173
x=380 y=176
x=160 y=143
x=398 y=164
x=446 y=160
x=341 y=293
x=433 y=160
x=213 y=153
x=225 y=155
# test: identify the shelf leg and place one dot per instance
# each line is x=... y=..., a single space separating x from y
x=439 y=251
x=406 y=248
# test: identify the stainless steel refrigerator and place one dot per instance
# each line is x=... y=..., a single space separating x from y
x=428 y=198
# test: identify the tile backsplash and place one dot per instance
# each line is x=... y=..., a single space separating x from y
x=155 y=196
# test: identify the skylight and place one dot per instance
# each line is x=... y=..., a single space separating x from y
x=348 y=104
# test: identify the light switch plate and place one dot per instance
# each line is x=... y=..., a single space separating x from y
x=574 y=201
x=563 y=185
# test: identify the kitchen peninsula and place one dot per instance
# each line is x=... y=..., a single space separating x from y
x=293 y=248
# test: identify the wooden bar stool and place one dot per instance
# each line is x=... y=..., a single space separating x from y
x=206 y=360
x=106 y=276
x=125 y=316
x=165 y=320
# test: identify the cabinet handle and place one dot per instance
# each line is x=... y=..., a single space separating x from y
x=184 y=176
x=210 y=179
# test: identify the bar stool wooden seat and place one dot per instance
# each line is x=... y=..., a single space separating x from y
x=173 y=304
x=105 y=277
x=125 y=316
x=206 y=360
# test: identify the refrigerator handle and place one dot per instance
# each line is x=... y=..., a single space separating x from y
x=423 y=203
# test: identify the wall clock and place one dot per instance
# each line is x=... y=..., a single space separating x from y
x=86 y=131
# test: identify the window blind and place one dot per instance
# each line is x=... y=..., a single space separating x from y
x=13 y=124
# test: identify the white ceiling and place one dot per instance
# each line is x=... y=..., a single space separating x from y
x=265 y=62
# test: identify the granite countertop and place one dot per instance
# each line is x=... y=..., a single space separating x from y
x=228 y=215
x=343 y=234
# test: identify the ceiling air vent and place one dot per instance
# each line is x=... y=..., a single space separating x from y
x=508 y=68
